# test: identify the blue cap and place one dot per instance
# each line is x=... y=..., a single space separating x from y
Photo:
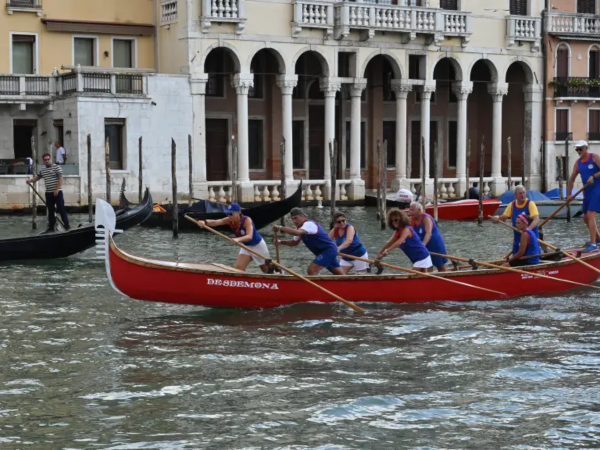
x=234 y=207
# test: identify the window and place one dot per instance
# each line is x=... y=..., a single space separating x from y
x=114 y=130
x=451 y=5
x=586 y=6
x=363 y=144
x=23 y=130
x=416 y=67
x=594 y=63
x=59 y=131
x=23 y=54
x=562 y=125
x=562 y=62
x=255 y=144
x=452 y=145
x=123 y=53
x=298 y=144
x=389 y=135
x=594 y=125
x=84 y=51
x=518 y=7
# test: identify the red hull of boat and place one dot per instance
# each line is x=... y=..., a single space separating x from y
x=464 y=210
x=145 y=279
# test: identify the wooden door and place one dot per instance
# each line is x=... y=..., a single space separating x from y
x=562 y=62
x=217 y=149
x=316 y=141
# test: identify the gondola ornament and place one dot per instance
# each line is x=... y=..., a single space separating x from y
x=106 y=226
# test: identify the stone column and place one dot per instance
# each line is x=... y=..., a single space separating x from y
x=287 y=83
x=533 y=134
x=497 y=91
x=198 y=88
x=425 y=125
x=329 y=87
x=462 y=89
x=401 y=90
x=357 y=188
x=242 y=83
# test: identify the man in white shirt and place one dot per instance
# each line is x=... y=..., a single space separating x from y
x=61 y=154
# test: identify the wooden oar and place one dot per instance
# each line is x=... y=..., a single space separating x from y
x=276 y=264
x=276 y=246
x=44 y=202
x=562 y=206
x=568 y=255
x=425 y=274
x=512 y=269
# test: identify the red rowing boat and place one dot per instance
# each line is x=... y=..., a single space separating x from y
x=217 y=285
x=464 y=209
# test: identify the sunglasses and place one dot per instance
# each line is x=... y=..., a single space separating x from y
x=340 y=221
x=578 y=149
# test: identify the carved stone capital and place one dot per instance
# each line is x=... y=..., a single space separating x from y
x=242 y=82
x=401 y=89
x=426 y=91
x=498 y=91
x=287 y=83
x=462 y=89
x=329 y=86
x=356 y=88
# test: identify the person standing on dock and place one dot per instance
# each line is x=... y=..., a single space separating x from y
x=316 y=240
x=347 y=241
x=429 y=233
x=588 y=166
x=61 y=154
x=528 y=245
x=521 y=205
x=246 y=233
x=408 y=240
x=53 y=180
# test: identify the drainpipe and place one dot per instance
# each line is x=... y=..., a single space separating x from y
x=156 y=36
x=544 y=94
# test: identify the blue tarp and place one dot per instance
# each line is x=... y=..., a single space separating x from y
x=554 y=194
x=536 y=196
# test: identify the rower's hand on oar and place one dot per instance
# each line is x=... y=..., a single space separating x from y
x=590 y=180
x=276 y=228
x=202 y=223
x=28 y=181
x=496 y=219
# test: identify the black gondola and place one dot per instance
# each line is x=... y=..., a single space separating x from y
x=261 y=215
x=76 y=240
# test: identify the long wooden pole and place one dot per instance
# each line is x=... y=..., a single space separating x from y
x=553 y=247
x=191 y=169
x=468 y=181
x=378 y=175
x=509 y=168
x=282 y=151
x=423 y=174
x=333 y=166
x=512 y=269
x=276 y=264
x=425 y=274
x=174 y=187
x=44 y=202
x=567 y=166
x=384 y=184
x=107 y=167
x=560 y=177
x=140 y=169
x=481 y=168
x=33 y=196
x=276 y=241
x=435 y=181
x=523 y=164
x=234 y=170
x=562 y=206
x=89 y=179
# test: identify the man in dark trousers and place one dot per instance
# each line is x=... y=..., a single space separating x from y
x=53 y=179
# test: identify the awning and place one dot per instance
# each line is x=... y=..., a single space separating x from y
x=75 y=26
x=572 y=37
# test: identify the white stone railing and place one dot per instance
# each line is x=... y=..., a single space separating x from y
x=266 y=191
x=313 y=189
x=474 y=182
x=24 y=6
x=523 y=28
x=448 y=188
x=312 y=14
x=400 y=19
x=219 y=191
x=168 y=12
x=573 y=23
x=223 y=11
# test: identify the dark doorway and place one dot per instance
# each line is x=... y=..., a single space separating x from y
x=415 y=144
x=562 y=62
x=23 y=130
x=217 y=149
x=316 y=141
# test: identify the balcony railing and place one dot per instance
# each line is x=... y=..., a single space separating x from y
x=594 y=136
x=24 y=5
x=577 y=87
x=524 y=29
x=223 y=11
x=37 y=86
x=573 y=24
x=562 y=135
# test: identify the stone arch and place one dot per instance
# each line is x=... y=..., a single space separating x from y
x=390 y=57
x=232 y=51
x=525 y=65
x=325 y=69
x=490 y=65
x=273 y=51
x=458 y=70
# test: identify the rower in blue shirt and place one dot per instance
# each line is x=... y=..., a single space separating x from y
x=528 y=245
x=316 y=240
x=429 y=233
x=347 y=241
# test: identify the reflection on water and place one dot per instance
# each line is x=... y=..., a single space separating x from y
x=84 y=368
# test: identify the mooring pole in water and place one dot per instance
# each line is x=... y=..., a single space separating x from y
x=567 y=166
x=435 y=181
x=467 y=179
x=423 y=174
x=107 y=167
x=559 y=166
x=481 y=168
x=34 y=197
x=140 y=169
x=378 y=178
x=191 y=167
x=383 y=184
x=89 y=179
x=174 y=186
x=333 y=164
x=282 y=151
x=234 y=170
x=509 y=169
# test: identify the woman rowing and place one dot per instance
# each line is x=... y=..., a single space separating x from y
x=347 y=241
x=246 y=233
x=408 y=240
x=528 y=245
x=429 y=233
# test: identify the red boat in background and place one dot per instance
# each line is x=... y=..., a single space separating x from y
x=464 y=209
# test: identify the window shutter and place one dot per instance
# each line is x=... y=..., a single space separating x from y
x=586 y=6
x=518 y=7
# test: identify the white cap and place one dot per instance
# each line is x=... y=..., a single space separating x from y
x=581 y=144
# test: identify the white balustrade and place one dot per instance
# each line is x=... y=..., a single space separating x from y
x=523 y=28
x=219 y=191
x=312 y=14
x=447 y=187
x=168 y=12
x=232 y=11
x=312 y=189
x=573 y=23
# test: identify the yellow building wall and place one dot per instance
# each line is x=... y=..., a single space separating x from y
x=55 y=49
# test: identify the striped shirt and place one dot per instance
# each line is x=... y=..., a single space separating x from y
x=51 y=177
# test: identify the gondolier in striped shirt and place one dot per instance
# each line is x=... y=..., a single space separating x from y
x=53 y=179
x=247 y=234
x=316 y=240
